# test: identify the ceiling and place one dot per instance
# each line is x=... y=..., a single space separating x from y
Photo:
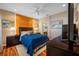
x=35 y=10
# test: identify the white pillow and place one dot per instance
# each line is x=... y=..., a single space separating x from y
x=25 y=32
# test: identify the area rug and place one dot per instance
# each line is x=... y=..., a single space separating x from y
x=22 y=51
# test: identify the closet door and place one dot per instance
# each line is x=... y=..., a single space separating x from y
x=0 y=35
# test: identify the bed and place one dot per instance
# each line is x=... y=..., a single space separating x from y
x=32 y=42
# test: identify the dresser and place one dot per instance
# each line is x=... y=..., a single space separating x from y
x=13 y=40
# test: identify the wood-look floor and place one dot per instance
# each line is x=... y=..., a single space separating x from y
x=56 y=47
x=11 y=51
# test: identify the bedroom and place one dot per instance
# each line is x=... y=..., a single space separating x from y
x=42 y=21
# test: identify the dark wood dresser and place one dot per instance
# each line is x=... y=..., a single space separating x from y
x=13 y=40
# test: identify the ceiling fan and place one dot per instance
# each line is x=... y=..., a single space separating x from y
x=37 y=11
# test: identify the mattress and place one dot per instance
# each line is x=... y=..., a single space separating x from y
x=22 y=51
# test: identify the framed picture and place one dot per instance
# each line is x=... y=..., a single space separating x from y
x=5 y=23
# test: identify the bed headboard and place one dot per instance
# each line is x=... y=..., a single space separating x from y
x=24 y=29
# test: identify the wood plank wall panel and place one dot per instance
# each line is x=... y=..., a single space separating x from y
x=23 y=21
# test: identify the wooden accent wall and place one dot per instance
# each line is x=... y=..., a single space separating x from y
x=23 y=21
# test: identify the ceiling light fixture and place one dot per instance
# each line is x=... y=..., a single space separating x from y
x=14 y=9
x=63 y=5
x=37 y=11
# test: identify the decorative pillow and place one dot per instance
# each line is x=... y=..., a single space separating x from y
x=25 y=33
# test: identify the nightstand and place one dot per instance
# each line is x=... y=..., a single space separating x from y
x=45 y=33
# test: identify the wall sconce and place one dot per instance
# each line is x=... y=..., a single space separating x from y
x=12 y=28
x=36 y=28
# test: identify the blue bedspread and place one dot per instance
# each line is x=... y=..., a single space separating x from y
x=33 y=41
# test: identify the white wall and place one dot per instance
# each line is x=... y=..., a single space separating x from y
x=52 y=33
x=61 y=16
x=0 y=35
x=6 y=15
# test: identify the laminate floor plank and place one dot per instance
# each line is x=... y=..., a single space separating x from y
x=10 y=51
